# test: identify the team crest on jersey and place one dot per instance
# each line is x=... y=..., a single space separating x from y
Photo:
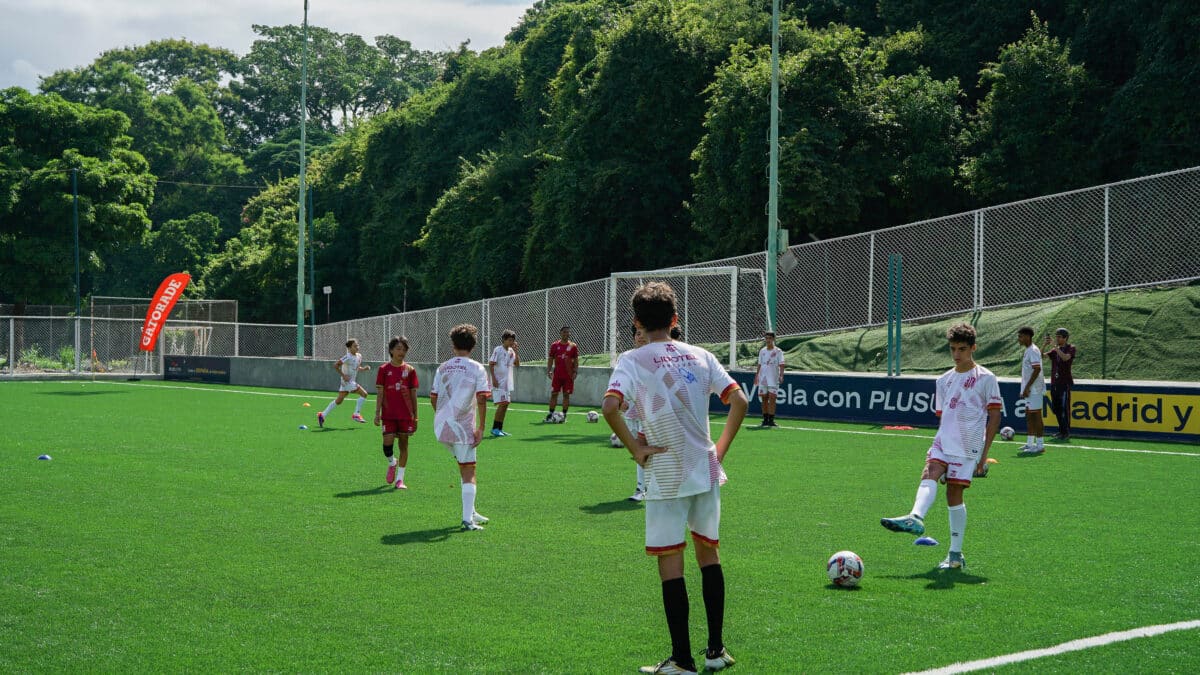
x=670 y=348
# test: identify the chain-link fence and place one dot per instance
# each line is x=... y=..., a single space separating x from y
x=1137 y=233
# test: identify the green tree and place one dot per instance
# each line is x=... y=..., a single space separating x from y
x=1034 y=130
x=42 y=138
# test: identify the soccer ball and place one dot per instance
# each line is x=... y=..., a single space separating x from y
x=614 y=441
x=845 y=569
x=557 y=418
x=593 y=416
x=1007 y=433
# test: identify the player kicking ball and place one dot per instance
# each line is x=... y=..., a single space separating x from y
x=396 y=407
x=669 y=383
x=459 y=398
x=968 y=402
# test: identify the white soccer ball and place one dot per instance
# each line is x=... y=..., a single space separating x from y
x=1007 y=433
x=593 y=416
x=845 y=569
x=614 y=441
x=557 y=417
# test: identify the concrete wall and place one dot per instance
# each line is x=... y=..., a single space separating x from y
x=532 y=385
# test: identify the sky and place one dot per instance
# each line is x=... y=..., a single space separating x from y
x=38 y=37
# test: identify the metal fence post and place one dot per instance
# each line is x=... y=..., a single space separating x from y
x=1107 y=286
x=733 y=281
x=871 y=280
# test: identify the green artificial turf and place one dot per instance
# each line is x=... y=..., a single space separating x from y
x=197 y=528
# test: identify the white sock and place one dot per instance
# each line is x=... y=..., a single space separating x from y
x=358 y=405
x=400 y=473
x=958 y=524
x=641 y=473
x=392 y=460
x=1040 y=441
x=468 y=501
x=926 y=493
x=1029 y=441
x=329 y=408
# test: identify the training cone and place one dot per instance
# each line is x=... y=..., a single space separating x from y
x=305 y=404
x=303 y=427
x=926 y=541
x=992 y=460
x=44 y=457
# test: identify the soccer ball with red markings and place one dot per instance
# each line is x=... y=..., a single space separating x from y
x=557 y=417
x=1007 y=433
x=845 y=569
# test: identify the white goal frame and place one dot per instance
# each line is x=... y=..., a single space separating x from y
x=684 y=273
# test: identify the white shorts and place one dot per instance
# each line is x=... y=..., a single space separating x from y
x=959 y=470
x=500 y=396
x=1035 y=400
x=463 y=453
x=666 y=518
x=352 y=385
x=765 y=388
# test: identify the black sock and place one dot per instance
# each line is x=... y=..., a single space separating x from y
x=495 y=424
x=500 y=425
x=714 y=604
x=675 y=602
x=387 y=451
x=564 y=411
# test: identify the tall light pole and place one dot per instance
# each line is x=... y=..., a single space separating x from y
x=303 y=215
x=773 y=174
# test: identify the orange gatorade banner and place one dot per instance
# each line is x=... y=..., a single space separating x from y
x=161 y=305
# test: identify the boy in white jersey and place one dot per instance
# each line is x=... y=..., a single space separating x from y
x=768 y=377
x=968 y=403
x=459 y=398
x=1033 y=392
x=669 y=383
x=500 y=372
x=348 y=367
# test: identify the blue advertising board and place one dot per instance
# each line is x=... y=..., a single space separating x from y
x=196 y=368
x=1149 y=411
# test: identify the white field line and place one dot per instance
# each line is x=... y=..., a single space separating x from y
x=925 y=435
x=1072 y=646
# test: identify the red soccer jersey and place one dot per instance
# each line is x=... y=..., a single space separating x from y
x=563 y=355
x=397 y=383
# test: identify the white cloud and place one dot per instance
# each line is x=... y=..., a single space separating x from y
x=41 y=36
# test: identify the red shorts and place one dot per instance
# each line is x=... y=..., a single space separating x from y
x=563 y=383
x=402 y=427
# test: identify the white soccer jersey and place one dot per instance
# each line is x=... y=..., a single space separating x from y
x=963 y=401
x=669 y=384
x=769 y=361
x=455 y=384
x=503 y=358
x=1031 y=358
x=632 y=420
x=350 y=363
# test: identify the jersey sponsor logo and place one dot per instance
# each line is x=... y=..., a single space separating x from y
x=687 y=375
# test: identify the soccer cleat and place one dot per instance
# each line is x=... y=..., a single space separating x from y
x=715 y=660
x=400 y=485
x=549 y=417
x=321 y=419
x=391 y=474
x=496 y=433
x=469 y=526
x=479 y=518
x=637 y=496
x=669 y=667
x=954 y=561
x=910 y=523
x=357 y=417
x=504 y=433
x=1027 y=451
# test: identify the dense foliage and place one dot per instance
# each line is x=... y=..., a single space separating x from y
x=602 y=135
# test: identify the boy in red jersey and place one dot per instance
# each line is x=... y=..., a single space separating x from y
x=561 y=367
x=396 y=407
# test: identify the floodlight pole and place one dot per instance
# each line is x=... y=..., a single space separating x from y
x=772 y=263
x=302 y=222
x=75 y=223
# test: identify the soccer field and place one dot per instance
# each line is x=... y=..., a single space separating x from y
x=197 y=528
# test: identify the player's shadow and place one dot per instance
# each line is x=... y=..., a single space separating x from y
x=848 y=589
x=605 y=508
x=570 y=438
x=323 y=430
x=418 y=537
x=943 y=580
x=77 y=393
x=382 y=489
x=1020 y=456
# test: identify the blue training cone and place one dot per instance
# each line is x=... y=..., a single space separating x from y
x=303 y=427
x=926 y=541
x=44 y=457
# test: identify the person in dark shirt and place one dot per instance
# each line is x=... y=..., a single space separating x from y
x=1062 y=357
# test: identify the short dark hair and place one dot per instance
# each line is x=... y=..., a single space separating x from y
x=508 y=333
x=1063 y=332
x=962 y=333
x=633 y=330
x=654 y=305
x=398 y=340
x=676 y=332
x=564 y=328
x=463 y=335
x=1025 y=330
x=769 y=333
x=351 y=341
